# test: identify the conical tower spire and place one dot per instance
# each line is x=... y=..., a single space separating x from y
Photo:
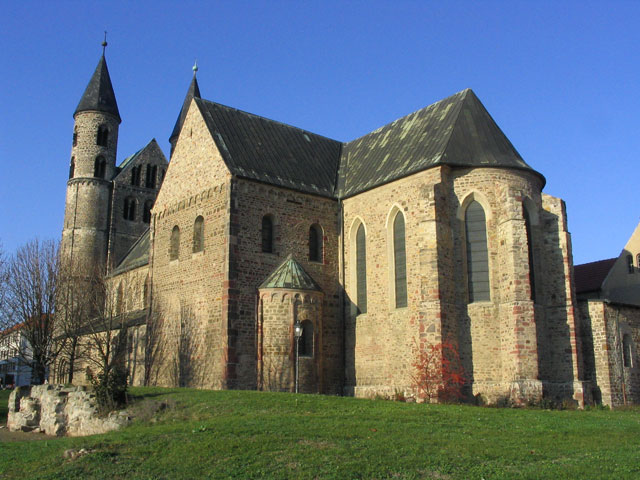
x=193 y=92
x=99 y=95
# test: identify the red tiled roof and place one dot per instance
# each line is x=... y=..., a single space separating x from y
x=589 y=276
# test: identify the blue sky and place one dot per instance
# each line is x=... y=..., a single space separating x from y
x=560 y=78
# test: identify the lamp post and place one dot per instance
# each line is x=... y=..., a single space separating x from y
x=297 y=333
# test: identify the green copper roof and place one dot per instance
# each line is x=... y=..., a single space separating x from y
x=99 y=93
x=137 y=256
x=291 y=275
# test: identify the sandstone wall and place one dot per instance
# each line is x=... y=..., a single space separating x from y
x=293 y=214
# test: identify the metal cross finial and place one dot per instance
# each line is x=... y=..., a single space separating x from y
x=104 y=43
x=195 y=66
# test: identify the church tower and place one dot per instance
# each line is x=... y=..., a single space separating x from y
x=85 y=232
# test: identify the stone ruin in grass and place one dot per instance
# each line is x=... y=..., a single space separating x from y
x=59 y=410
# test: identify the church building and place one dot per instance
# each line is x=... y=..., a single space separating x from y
x=430 y=229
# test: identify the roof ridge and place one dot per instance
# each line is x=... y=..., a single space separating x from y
x=269 y=119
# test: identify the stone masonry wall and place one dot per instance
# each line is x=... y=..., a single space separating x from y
x=497 y=339
x=603 y=326
x=292 y=214
x=278 y=311
x=189 y=295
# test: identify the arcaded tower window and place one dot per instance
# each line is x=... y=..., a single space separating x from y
x=305 y=347
x=146 y=212
x=361 y=269
x=99 y=167
x=198 y=234
x=315 y=243
x=267 y=234
x=152 y=172
x=75 y=136
x=135 y=176
x=102 y=137
x=477 y=253
x=72 y=167
x=174 y=243
x=129 y=212
x=399 y=261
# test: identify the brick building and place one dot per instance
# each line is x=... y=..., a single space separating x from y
x=430 y=229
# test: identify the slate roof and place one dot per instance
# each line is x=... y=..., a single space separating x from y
x=456 y=131
x=260 y=149
x=192 y=92
x=99 y=94
x=590 y=276
x=137 y=256
x=291 y=275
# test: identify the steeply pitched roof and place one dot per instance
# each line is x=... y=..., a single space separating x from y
x=137 y=256
x=590 y=276
x=192 y=92
x=268 y=151
x=99 y=93
x=291 y=275
x=456 y=131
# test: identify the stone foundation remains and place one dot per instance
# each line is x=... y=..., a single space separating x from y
x=59 y=410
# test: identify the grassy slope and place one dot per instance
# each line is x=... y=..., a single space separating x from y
x=255 y=435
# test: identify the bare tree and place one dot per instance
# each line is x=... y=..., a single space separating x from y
x=29 y=304
x=75 y=306
x=155 y=343
x=104 y=339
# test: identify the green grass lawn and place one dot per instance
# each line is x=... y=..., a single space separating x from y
x=234 y=434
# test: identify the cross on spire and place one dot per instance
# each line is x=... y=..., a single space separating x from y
x=104 y=43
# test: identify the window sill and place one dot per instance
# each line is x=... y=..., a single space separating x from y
x=197 y=254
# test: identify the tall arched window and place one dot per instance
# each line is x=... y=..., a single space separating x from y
x=75 y=136
x=198 y=234
x=638 y=261
x=102 y=138
x=477 y=253
x=399 y=261
x=305 y=347
x=174 y=243
x=532 y=276
x=626 y=350
x=361 y=269
x=72 y=167
x=267 y=234
x=315 y=243
x=99 y=167
x=146 y=211
x=129 y=210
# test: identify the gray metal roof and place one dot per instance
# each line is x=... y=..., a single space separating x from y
x=272 y=152
x=99 y=94
x=290 y=275
x=137 y=256
x=192 y=92
x=456 y=131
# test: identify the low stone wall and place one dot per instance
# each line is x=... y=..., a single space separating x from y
x=59 y=410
